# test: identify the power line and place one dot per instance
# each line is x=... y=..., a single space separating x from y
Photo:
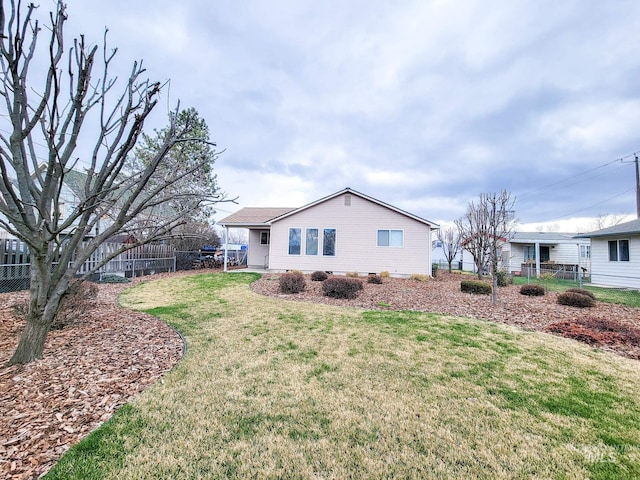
x=590 y=206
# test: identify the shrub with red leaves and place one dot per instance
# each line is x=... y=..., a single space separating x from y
x=292 y=282
x=342 y=287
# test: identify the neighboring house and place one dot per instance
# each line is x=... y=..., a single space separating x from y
x=341 y=233
x=533 y=253
x=615 y=255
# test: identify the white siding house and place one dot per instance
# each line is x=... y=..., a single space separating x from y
x=615 y=255
x=341 y=233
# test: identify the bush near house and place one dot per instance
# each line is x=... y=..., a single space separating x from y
x=319 y=276
x=476 y=287
x=503 y=278
x=532 y=290
x=342 y=287
x=573 y=299
x=292 y=282
x=375 y=279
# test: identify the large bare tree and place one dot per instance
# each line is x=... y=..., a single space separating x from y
x=450 y=239
x=57 y=98
x=485 y=228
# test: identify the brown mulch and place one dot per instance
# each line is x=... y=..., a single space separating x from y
x=108 y=355
x=89 y=369
x=607 y=326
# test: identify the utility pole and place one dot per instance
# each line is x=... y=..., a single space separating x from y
x=637 y=187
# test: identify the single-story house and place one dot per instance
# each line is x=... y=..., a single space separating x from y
x=534 y=253
x=615 y=255
x=345 y=232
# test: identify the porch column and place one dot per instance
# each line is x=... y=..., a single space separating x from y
x=537 y=259
x=226 y=246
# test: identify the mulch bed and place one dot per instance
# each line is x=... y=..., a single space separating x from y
x=108 y=355
x=608 y=326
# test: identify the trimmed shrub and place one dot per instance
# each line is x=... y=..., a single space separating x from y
x=419 y=277
x=573 y=299
x=532 y=290
x=503 y=278
x=110 y=278
x=476 y=287
x=341 y=287
x=319 y=276
x=582 y=291
x=292 y=282
x=375 y=279
x=434 y=269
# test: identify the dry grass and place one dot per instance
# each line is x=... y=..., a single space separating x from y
x=277 y=389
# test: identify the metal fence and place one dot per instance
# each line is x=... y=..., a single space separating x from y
x=15 y=269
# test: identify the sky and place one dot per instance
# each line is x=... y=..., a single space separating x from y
x=421 y=104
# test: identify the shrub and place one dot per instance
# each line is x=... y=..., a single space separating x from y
x=532 y=290
x=375 y=279
x=476 y=287
x=292 y=282
x=341 y=287
x=110 y=278
x=434 y=269
x=582 y=291
x=419 y=277
x=352 y=274
x=385 y=274
x=503 y=278
x=573 y=299
x=319 y=276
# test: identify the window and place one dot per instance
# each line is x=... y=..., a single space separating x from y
x=264 y=238
x=294 y=241
x=529 y=253
x=311 y=245
x=329 y=242
x=618 y=250
x=390 y=238
x=585 y=251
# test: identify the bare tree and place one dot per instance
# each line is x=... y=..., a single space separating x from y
x=450 y=239
x=485 y=228
x=43 y=120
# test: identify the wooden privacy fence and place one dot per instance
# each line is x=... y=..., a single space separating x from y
x=15 y=264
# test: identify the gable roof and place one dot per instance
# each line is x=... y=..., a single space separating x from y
x=361 y=195
x=542 y=237
x=627 y=228
x=254 y=216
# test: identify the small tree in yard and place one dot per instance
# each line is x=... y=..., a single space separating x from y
x=450 y=239
x=44 y=121
x=485 y=227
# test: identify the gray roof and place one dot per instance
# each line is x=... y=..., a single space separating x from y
x=542 y=237
x=627 y=228
x=254 y=216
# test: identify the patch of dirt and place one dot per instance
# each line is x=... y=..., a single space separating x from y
x=443 y=295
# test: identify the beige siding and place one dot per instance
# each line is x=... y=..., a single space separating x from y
x=356 y=240
x=617 y=274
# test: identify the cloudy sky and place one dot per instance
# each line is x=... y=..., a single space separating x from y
x=421 y=104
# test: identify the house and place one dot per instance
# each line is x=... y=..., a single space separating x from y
x=347 y=231
x=534 y=253
x=615 y=255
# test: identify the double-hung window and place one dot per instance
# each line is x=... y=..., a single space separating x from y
x=390 y=238
x=618 y=250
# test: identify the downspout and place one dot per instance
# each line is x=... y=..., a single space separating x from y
x=226 y=246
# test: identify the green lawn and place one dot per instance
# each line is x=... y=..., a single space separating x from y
x=603 y=294
x=277 y=389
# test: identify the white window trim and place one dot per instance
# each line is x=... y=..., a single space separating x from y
x=268 y=234
x=390 y=230
x=289 y=242
x=321 y=242
x=318 y=240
